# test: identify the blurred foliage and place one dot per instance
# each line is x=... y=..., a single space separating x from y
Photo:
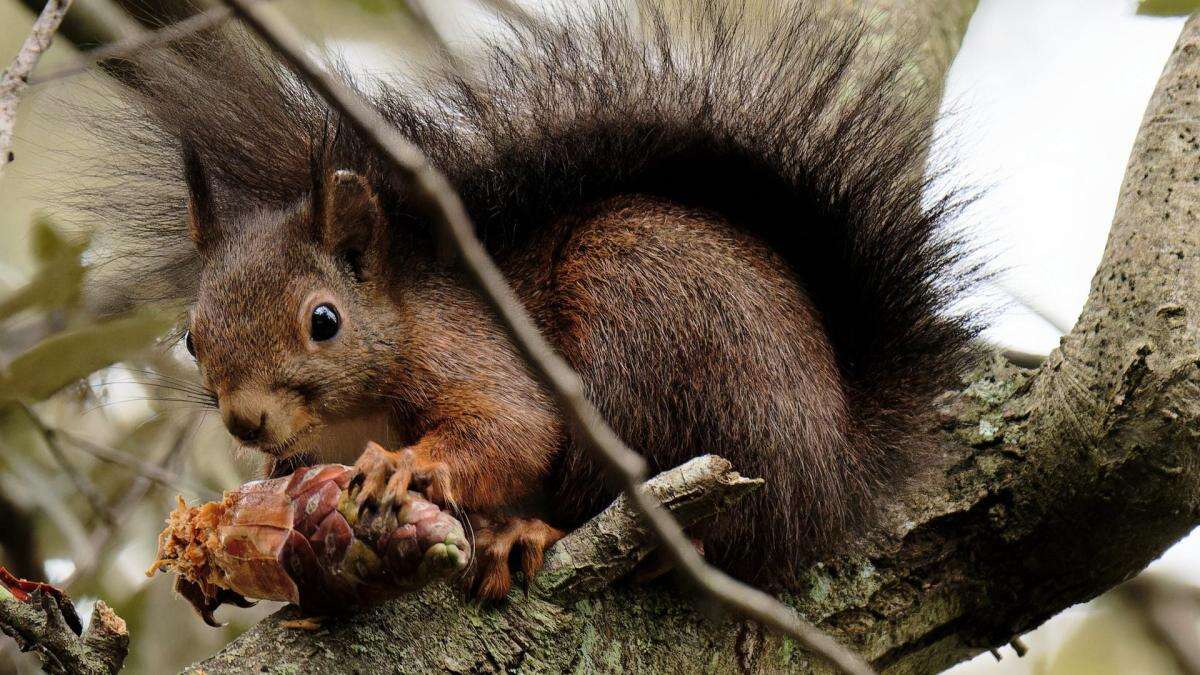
x=49 y=341
x=1167 y=7
x=59 y=276
x=70 y=356
x=108 y=381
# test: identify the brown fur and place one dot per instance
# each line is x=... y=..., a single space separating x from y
x=721 y=230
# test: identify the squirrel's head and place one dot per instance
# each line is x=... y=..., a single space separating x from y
x=293 y=323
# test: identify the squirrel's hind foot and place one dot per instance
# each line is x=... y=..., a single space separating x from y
x=502 y=543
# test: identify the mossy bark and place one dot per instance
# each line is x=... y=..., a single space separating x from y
x=1057 y=483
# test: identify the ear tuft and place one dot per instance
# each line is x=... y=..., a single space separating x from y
x=203 y=228
x=352 y=222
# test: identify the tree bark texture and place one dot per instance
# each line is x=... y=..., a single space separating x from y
x=1057 y=484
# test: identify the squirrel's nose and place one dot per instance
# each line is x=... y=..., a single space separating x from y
x=246 y=430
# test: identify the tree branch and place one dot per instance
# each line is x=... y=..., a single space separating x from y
x=38 y=624
x=611 y=544
x=16 y=78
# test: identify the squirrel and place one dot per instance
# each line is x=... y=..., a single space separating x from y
x=717 y=225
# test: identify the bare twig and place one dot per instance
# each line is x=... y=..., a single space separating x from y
x=141 y=41
x=613 y=542
x=81 y=482
x=16 y=79
x=444 y=208
x=103 y=538
x=149 y=470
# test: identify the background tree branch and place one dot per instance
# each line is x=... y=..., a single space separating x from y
x=15 y=79
x=40 y=625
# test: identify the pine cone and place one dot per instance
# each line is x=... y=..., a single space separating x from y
x=300 y=539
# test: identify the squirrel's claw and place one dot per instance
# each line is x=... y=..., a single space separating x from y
x=384 y=479
x=495 y=544
x=376 y=467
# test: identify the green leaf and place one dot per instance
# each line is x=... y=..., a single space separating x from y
x=70 y=356
x=1167 y=7
x=50 y=245
x=50 y=288
x=58 y=280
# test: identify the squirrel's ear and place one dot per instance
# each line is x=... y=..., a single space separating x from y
x=350 y=219
x=202 y=213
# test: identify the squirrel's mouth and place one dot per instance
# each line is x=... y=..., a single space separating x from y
x=287 y=448
x=338 y=441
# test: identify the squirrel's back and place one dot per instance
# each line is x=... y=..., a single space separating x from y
x=785 y=146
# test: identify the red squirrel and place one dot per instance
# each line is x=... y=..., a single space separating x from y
x=721 y=224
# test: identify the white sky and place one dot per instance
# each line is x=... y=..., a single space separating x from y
x=1046 y=97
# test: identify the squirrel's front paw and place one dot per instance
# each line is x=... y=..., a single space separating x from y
x=385 y=477
x=498 y=541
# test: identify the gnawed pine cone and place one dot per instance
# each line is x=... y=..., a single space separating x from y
x=300 y=539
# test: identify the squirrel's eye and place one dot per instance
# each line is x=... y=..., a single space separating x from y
x=187 y=341
x=325 y=322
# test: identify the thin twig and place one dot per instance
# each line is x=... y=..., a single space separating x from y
x=141 y=41
x=16 y=79
x=102 y=539
x=444 y=207
x=510 y=10
x=81 y=482
x=421 y=18
x=150 y=470
x=612 y=543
